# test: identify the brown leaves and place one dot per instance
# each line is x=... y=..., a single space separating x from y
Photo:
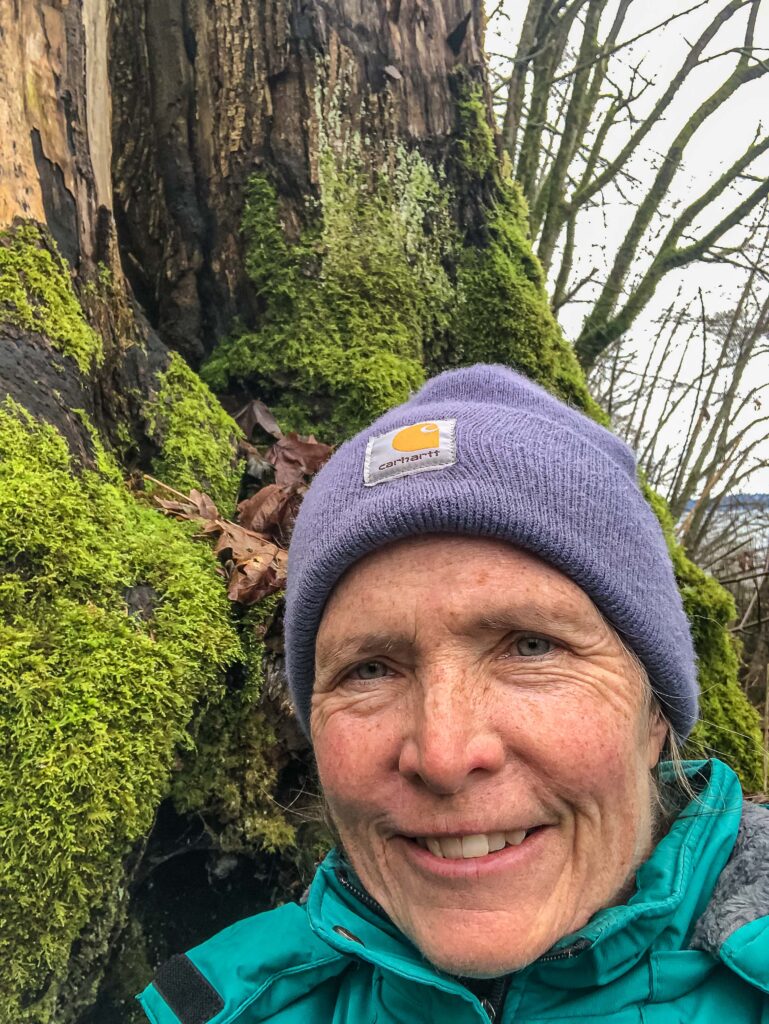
x=196 y=505
x=256 y=414
x=262 y=575
x=295 y=458
x=253 y=565
x=273 y=508
x=253 y=551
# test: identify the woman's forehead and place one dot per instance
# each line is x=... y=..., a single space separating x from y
x=470 y=560
x=480 y=583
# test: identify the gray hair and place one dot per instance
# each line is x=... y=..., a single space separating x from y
x=669 y=796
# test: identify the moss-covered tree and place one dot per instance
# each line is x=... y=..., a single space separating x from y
x=297 y=202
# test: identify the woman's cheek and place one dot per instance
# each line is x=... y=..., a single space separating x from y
x=581 y=744
x=348 y=751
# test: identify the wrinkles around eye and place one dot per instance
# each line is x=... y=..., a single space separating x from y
x=373 y=669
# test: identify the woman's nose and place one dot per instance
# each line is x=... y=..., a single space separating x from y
x=450 y=737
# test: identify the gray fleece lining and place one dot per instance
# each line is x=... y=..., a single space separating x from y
x=741 y=894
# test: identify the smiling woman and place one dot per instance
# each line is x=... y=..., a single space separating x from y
x=503 y=713
x=490 y=659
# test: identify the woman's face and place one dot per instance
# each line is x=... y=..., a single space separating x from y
x=468 y=694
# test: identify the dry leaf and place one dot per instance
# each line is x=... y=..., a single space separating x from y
x=266 y=509
x=255 y=414
x=253 y=562
x=196 y=506
x=238 y=544
x=262 y=575
x=206 y=506
x=295 y=458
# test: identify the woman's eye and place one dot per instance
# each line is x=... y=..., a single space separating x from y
x=369 y=670
x=531 y=646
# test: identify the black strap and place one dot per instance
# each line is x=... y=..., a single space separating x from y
x=191 y=997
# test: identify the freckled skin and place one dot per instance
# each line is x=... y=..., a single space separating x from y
x=452 y=719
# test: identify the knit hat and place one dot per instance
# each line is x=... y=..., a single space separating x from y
x=484 y=452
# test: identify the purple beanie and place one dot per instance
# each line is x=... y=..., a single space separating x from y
x=485 y=452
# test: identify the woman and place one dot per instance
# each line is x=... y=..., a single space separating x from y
x=487 y=647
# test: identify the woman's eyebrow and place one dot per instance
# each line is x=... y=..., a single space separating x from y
x=360 y=644
x=532 y=615
x=529 y=615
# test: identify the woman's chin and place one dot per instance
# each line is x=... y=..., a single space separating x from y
x=464 y=955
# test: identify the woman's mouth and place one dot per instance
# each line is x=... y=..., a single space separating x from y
x=474 y=855
x=471 y=846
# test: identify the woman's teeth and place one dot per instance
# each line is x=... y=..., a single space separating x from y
x=467 y=847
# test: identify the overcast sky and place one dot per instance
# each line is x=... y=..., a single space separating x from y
x=723 y=137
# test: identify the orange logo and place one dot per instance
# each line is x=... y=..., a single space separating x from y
x=417 y=438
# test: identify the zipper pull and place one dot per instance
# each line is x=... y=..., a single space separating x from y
x=493 y=1002
x=490 y=1010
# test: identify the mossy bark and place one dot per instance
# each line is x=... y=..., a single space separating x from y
x=306 y=202
x=116 y=631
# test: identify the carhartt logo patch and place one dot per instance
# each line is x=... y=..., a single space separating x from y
x=408 y=450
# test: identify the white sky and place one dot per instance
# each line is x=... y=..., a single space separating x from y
x=721 y=139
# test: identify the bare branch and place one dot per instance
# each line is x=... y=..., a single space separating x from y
x=610 y=51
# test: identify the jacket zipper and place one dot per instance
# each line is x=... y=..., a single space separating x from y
x=492 y=1003
x=495 y=1000
x=365 y=899
x=566 y=954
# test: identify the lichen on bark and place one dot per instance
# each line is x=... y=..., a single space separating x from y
x=345 y=309
x=382 y=287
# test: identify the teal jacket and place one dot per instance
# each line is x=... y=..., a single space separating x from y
x=691 y=946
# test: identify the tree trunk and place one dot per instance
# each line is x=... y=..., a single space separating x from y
x=207 y=94
x=303 y=202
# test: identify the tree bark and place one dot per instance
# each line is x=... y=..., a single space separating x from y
x=206 y=94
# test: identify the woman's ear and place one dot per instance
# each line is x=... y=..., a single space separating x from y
x=659 y=730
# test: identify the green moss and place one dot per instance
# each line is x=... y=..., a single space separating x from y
x=349 y=306
x=114 y=625
x=502 y=313
x=475 y=139
x=229 y=776
x=36 y=293
x=729 y=727
x=501 y=309
x=196 y=437
x=380 y=288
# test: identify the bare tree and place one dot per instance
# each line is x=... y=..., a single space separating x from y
x=738 y=550
x=579 y=110
x=698 y=434
x=698 y=431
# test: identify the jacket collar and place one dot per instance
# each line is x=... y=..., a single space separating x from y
x=673 y=886
x=735 y=924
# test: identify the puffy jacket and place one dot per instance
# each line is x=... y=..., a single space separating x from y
x=691 y=945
